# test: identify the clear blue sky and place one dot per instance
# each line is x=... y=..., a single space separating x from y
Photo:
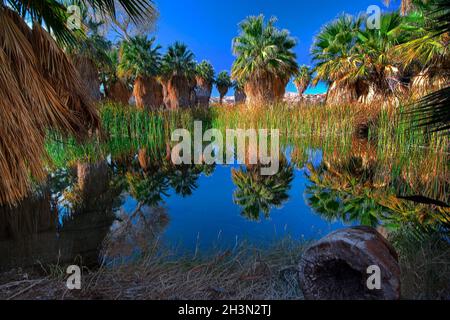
x=208 y=26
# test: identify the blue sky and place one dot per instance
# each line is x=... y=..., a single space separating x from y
x=208 y=27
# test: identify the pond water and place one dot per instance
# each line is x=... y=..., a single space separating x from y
x=120 y=207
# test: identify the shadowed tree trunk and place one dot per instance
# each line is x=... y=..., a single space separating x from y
x=265 y=89
x=148 y=93
x=239 y=96
x=89 y=76
x=177 y=93
x=222 y=91
x=119 y=92
x=202 y=92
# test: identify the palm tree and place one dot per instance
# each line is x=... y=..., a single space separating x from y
x=433 y=110
x=239 y=93
x=90 y=55
x=331 y=50
x=223 y=83
x=205 y=79
x=140 y=61
x=302 y=80
x=116 y=88
x=373 y=61
x=178 y=75
x=39 y=86
x=359 y=62
x=426 y=52
x=265 y=60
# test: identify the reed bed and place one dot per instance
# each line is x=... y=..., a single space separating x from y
x=380 y=135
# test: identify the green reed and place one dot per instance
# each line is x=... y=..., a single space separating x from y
x=401 y=153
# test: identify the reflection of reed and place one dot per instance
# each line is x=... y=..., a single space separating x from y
x=402 y=170
x=358 y=186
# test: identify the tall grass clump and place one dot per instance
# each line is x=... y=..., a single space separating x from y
x=424 y=257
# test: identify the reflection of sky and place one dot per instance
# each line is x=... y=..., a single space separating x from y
x=209 y=218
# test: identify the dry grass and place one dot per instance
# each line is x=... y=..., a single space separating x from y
x=424 y=262
x=245 y=273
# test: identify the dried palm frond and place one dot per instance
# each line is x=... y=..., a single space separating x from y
x=38 y=90
x=62 y=75
x=21 y=141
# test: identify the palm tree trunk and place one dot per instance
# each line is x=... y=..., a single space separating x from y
x=264 y=89
x=202 y=93
x=89 y=76
x=178 y=93
x=119 y=92
x=222 y=91
x=239 y=96
x=148 y=93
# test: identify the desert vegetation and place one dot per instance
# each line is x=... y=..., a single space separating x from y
x=87 y=121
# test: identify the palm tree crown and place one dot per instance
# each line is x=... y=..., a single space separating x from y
x=139 y=57
x=223 y=80
x=303 y=79
x=205 y=71
x=178 y=61
x=263 y=49
x=332 y=47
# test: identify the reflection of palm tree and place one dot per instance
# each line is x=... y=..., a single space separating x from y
x=338 y=205
x=148 y=183
x=148 y=188
x=153 y=178
x=183 y=178
x=347 y=192
x=256 y=193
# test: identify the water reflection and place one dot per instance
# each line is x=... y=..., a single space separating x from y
x=256 y=193
x=358 y=187
x=134 y=235
x=125 y=205
x=60 y=226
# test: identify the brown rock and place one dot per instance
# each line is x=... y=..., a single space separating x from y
x=336 y=266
